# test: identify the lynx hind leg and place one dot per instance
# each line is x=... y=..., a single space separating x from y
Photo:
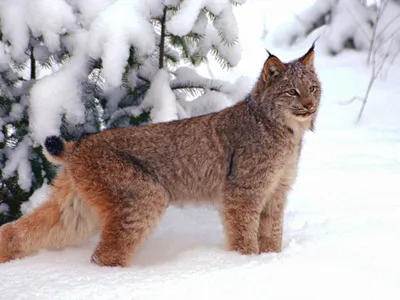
x=60 y=221
x=128 y=222
x=241 y=214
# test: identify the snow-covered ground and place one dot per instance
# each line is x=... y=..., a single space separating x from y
x=342 y=222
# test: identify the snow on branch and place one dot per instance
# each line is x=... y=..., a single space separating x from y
x=122 y=24
x=46 y=18
x=19 y=161
x=161 y=98
x=219 y=36
x=55 y=95
x=184 y=20
x=69 y=67
x=338 y=21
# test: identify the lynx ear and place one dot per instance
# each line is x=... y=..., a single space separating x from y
x=273 y=67
x=308 y=58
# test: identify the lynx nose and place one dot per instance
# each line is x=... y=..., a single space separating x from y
x=308 y=103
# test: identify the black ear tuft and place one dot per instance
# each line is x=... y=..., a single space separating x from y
x=270 y=55
x=308 y=58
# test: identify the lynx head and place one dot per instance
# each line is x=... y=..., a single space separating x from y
x=293 y=87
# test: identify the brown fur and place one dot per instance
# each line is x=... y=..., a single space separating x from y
x=120 y=181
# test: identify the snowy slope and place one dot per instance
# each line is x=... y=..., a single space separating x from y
x=342 y=222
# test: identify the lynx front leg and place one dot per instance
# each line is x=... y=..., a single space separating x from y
x=62 y=220
x=241 y=214
x=271 y=221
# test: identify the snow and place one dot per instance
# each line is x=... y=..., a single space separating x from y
x=41 y=53
x=224 y=28
x=183 y=21
x=349 y=19
x=37 y=198
x=218 y=94
x=216 y=7
x=49 y=18
x=225 y=22
x=120 y=25
x=54 y=95
x=161 y=98
x=18 y=161
x=4 y=59
x=16 y=111
x=89 y=9
x=201 y=24
x=288 y=32
x=42 y=17
x=230 y=52
x=14 y=28
x=4 y=208
x=341 y=229
x=388 y=29
x=209 y=102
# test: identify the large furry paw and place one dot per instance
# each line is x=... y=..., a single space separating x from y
x=266 y=246
x=244 y=249
x=6 y=244
x=108 y=260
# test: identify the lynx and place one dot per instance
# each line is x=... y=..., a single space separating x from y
x=119 y=182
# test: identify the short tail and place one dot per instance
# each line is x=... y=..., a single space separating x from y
x=57 y=150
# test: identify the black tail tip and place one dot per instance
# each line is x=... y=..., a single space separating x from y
x=54 y=145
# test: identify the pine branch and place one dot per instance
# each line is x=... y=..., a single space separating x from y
x=220 y=59
x=162 y=40
x=192 y=85
x=144 y=79
x=33 y=64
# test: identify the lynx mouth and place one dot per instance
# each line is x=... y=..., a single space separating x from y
x=303 y=114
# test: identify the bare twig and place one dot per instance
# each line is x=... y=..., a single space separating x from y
x=372 y=42
x=387 y=26
x=376 y=69
x=346 y=102
x=376 y=57
x=388 y=38
x=377 y=36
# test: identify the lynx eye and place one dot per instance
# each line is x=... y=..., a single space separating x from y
x=312 y=89
x=292 y=92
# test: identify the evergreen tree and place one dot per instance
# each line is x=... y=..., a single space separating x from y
x=77 y=67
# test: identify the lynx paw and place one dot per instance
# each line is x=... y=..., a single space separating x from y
x=6 y=241
x=108 y=260
x=268 y=246
x=244 y=249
